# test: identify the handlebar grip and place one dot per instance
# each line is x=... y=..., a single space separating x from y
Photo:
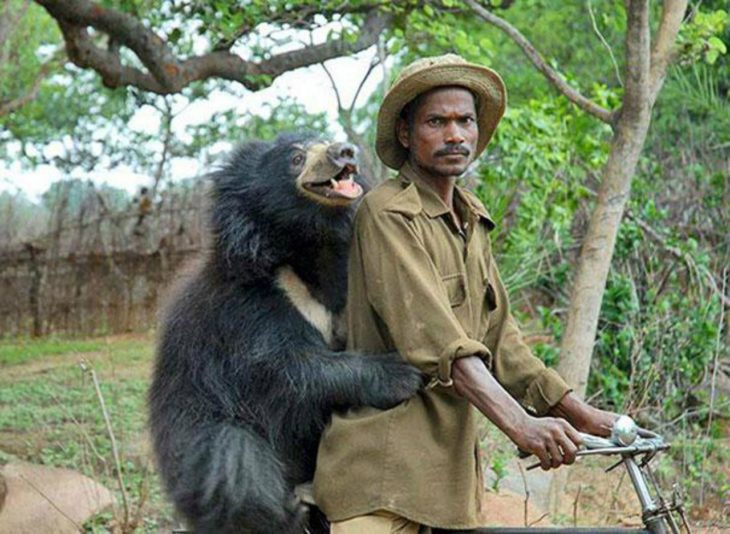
x=595 y=442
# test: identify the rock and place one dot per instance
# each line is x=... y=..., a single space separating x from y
x=40 y=499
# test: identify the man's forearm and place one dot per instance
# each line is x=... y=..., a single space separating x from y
x=474 y=382
x=583 y=416
x=554 y=441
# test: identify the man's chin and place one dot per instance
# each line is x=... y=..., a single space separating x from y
x=451 y=170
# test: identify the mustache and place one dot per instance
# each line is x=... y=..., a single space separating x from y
x=453 y=149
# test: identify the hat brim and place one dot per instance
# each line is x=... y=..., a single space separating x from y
x=487 y=86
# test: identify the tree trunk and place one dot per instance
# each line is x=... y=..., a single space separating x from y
x=595 y=256
x=598 y=245
x=646 y=67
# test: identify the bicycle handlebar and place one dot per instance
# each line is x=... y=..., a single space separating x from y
x=626 y=439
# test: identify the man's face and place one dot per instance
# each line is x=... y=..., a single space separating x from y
x=443 y=133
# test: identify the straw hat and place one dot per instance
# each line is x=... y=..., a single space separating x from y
x=430 y=72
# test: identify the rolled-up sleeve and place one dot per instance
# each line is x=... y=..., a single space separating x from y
x=522 y=374
x=408 y=294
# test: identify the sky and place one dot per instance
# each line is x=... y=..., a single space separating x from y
x=310 y=86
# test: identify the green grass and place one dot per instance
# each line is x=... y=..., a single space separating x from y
x=50 y=414
x=16 y=353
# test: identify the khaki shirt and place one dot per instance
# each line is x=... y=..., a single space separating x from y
x=422 y=286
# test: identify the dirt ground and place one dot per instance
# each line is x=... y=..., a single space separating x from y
x=589 y=496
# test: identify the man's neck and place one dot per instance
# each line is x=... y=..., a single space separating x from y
x=443 y=185
x=444 y=188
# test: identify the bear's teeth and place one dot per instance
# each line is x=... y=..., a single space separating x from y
x=333 y=183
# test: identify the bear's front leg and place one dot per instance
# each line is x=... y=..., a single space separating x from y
x=348 y=379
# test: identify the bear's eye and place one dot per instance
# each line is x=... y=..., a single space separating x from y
x=298 y=159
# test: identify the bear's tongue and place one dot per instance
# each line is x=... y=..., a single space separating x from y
x=347 y=188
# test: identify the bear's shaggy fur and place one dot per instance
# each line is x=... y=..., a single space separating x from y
x=246 y=375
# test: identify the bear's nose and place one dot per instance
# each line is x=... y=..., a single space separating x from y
x=342 y=154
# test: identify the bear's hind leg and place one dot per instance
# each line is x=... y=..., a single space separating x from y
x=232 y=481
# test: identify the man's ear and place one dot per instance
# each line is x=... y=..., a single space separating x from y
x=401 y=130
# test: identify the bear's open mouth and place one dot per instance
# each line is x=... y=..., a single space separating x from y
x=342 y=185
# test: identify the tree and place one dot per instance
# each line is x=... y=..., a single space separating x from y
x=23 y=30
x=645 y=69
x=163 y=71
x=167 y=62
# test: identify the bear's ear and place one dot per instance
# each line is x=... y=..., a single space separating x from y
x=239 y=164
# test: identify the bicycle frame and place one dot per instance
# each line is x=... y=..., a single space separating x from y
x=657 y=514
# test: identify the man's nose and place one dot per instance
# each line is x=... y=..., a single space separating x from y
x=454 y=134
x=342 y=154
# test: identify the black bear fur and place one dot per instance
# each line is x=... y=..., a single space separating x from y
x=243 y=384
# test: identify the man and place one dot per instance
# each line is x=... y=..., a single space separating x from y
x=423 y=282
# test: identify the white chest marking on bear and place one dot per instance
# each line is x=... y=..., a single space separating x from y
x=312 y=310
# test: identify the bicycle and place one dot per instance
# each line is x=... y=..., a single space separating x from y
x=637 y=448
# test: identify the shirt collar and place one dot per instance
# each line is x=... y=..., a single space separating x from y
x=432 y=204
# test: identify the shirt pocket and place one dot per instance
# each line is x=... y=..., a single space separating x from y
x=490 y=296
x=455 y=285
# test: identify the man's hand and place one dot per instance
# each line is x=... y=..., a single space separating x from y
x=554 y=441
x=583 y=416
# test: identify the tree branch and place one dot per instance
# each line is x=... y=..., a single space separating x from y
x=165 y=73
x=372 y=165
x=638 y=43
x=662 y=52
x=533 y=55
x=604 y=43
x=10 y=106
x=9 y=20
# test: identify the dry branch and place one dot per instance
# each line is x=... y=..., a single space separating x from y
x=165 y=73
x=115 y=450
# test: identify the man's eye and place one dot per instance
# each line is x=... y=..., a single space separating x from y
x=298 y=159
x=467 y=120
x=436 y=121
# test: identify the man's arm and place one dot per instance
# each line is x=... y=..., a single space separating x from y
x=407 y=292
x=552 y=439
x=583 y=416
x=405 y=288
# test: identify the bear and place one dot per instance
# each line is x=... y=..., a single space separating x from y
x=250 y=361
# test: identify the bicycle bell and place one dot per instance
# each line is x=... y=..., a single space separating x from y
x=624 y=431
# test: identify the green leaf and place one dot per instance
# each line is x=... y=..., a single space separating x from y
x=716 y=43
x=174 y=36
x=711 y=56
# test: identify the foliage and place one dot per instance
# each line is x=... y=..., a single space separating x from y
x=699 y=38
x=534 y=180
x=660 y=325
x=30 y=45
x=282 y=115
